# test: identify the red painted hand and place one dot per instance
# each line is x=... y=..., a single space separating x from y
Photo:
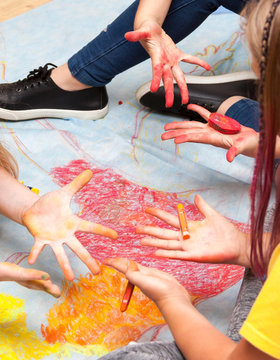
x=51 y=222
x=30 y=278
x=244 y=142
x=212 y=240
x=165 y=58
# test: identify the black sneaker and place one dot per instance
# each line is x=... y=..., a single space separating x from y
x=38 y=96
x=206 y=91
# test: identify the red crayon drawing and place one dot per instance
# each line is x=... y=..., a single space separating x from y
x=113 y=201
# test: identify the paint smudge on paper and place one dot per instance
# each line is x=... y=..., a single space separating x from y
x=89 y=313
x=13 y=328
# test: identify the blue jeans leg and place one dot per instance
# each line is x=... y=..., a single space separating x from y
x=110 y=53
x=246 y=112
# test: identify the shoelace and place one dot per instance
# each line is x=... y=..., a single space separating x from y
x=39 y=74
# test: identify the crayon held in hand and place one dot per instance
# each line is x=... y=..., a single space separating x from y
x=127 y=296
x=183 y=222
x=224 y=124
x=129 y=288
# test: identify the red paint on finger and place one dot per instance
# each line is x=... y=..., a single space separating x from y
x=232 y=152
x=224 y=124
x=169 y=89
x=157 y=74
x=136 y=36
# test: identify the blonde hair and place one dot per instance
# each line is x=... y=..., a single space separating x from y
x=8 y=162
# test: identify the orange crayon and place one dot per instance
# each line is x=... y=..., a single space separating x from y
x=183 y=222
x=129 y=289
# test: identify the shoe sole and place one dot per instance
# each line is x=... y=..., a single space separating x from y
x=200 y=80
x=17 y=115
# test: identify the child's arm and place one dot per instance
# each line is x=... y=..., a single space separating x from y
x=50 y=219
x=15 y=198
x=162 y=50
x=195 y=336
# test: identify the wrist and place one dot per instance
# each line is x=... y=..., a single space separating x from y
x=244 y=252
x=170 y=302
x=147 y=23
x=26 y=205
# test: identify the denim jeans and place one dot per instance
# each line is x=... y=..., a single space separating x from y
x=246 y=112
x=110 y=53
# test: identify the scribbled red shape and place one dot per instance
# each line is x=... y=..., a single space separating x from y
x=111 y=200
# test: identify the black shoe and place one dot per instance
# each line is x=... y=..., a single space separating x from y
x=206 y=91
x=38 y=96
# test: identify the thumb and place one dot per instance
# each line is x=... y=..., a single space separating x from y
x=136 y=35
x=204 y=113
x=202 y=206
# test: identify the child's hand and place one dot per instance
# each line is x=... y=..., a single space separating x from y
x=212 y=240
x=157 y=285
x=165 y=58
x=51 y=221
x=245 y=142
x=30 y=278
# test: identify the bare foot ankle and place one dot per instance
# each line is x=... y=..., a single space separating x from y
x=65 y=80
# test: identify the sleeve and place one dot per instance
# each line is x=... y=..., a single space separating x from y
x=262 y=326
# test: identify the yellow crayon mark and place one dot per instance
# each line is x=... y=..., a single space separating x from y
x=20 y=149
x=3 y=69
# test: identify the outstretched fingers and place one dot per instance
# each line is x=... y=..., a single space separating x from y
x=167 y=79
x=165 y=216
x=157 y=75
x=78 y=183
x=162 y=244
x=200 y=110
x=63 y=261
x=181 y=81
x=94 y=228
x=84 y=255
x=35 y=251
x=43 y=285
x=157 y=232
x=202 y=137
x=204 y=208
x=180 y=125
x=191 y=59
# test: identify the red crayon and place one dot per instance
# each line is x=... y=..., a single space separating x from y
x=127 y=296
x=129 y=288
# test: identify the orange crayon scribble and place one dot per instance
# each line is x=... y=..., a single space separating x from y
x=89 y=313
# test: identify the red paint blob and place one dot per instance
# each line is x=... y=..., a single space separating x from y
x=224 y=124
x=120 y=102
